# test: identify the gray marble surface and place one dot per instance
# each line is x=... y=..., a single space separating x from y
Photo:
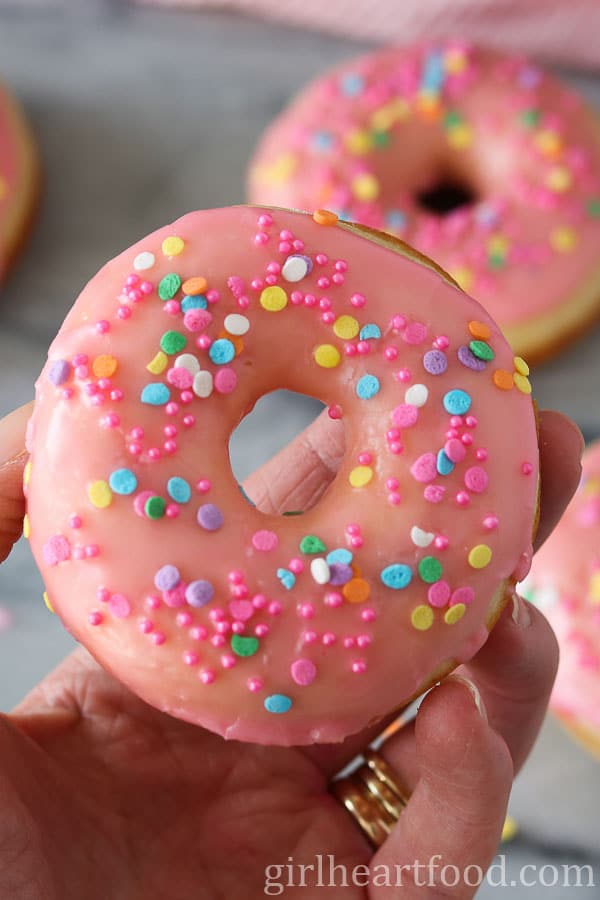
x=142 y=115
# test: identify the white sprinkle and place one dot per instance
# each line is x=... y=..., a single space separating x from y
x=203 y=384
x=144 y=261
x=294 y=268
x=419 y=537
x=320 y=570
x=236 y=324
x=188 y=361
x=416 y=395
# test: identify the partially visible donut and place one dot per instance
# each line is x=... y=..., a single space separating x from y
x=565 y=583
x=481 y=160
x=19 y=179
x=260 y=627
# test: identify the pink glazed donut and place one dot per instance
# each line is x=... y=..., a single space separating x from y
x=275 y=629
x=483 y=161
x=19 y=179
x=565 y=583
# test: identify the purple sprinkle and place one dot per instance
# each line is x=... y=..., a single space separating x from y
x=199 y=593
x=469 y=359
x=210 y=517
x=339 y=573
x=167 y=578
x=57 y=550
x=435 y=362
x=60 y=371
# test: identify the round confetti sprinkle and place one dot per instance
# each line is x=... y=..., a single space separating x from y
x=481 y=350
x=464 y=595
x=521 y=366
x=210 y=517
x=503 y=379
x=480 y=556
x=221 y=352
x=237 y=324
x=367 y=387
x=422 y=618
x=339 y=574
x=158 y=365
x=100 y=494
x=59 y=372
x=194 y=286
x=397 y=576
x=360 y=476
x=196 y=302
x=296 y=267
x=468 y=359
x=199 y=593
x=179 y=490
x=438 y=594
x=522 y=383
x=203 y=384
x=155 y=507
x=357 y=590
x=479 y=330
x=104 y=366
x=476 y=479
x=417 y=395
x=346 y=327
x=173 y=246
x=325 y=217
x=264 y=540
x=119 y=606
x=430 y=569
x=156 y=394
x=303 y=672
x=225 y=380
x=370 y=332
x=168 y=286
x=405 y=415
x=273 y=299
x=278 y=703
x=435 y=362
x=340 y=555
x=167 y=578
x=123 y=481
x=320 y=570
x=454 y=613
x=243 y=645
x=189 y=362
x=172 y=342
x=311 y=544
x=444 y=464
x=457 y=402
x=143 y=261
x=327 y=356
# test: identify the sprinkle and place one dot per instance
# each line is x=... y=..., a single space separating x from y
x=100 y=494
x=119 y=606
x=179 y=490
x=367 y=387
x=311 y=544
x=143 y=261
x=360 y=476
x=480 y=556
x=287 y=578
x=365 y=186
x=26 y=527
x=273 y=299
x=417 y=395
x=104 y=366
x=60 y=372
x=340 y=574
x=481 y=350
x=172 y=342
x=356 y=590
x=521 y=366
x=303 y=672
x=397 y=576
x=325 y=217
x=27 y=473
x=189 y=362
x=319 y=570
x=158 y=365
x=346 y=327
x=370 y=332
x=435 y=362
x=438 y=594
x=479 y=330
x=340 y=556
x=476 y=479
x=49 y=606
x=278 y=703
x=168 y=286
x=468 y=359
x=195 y=303
x=243 y=645
x=454 y=613
x=422 y=618
x=221 y=352
x=522 y=383
x=225 y=380
x=444 y=464
x=405 y=415
x=167 y=578
x=173 y=246
x=296 y=267
x=424 y=469
x=203 y=384
x=123 y=482
x=457 y=402
x=199 y=593
x=563 y=239
x=503 y=379
x=421 y=538
x=462 y=595
x=327 y=356
x=264 y=540
x=210 y=517
x=156 y=394
x=57 y=550
x=236 y=324
x=155 y=507
x=194 y=286
x=430 y=569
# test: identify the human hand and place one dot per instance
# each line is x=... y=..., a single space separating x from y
x=102 y=796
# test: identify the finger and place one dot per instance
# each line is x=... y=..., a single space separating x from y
x=14 y=457
x=455 y=815
x=561 y=446
x=297 y=476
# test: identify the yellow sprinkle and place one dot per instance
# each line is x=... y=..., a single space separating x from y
x=510 y=829
x=428 y=105
x=591 y=486
x=455 y=61
x=360 y=476
x=563 y=239
x=522 y=383
x=498 y=244
x=100 y=494
x=559 y=179
x=422 y=618
x=521 y=366
x=346 y=327
x=464 y=277
x=279 y=171
x=549 y=142
x=273 y=299
x=480 y=556
x=365 y=187
x=327 y=356
x=394 y=111
x=173 y=246
x=47 y=602
x=27 y=473
x=26 y=527
x=158 y=365
x=358 y=142
x=454 y=613
x=460 y=136
x=594 y=588
x=104 y=366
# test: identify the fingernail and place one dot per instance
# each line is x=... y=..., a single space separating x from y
x=520 y=612
x=12 y=435
x=474 y=691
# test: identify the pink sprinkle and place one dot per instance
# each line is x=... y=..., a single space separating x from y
x=321 y=259
x=368 y=615
x=310 y=300
x=271 y=279
x=261 y=630
x=306 y=610
x=170 y=447
x=296 y=566
x=154 y=453
x=390 y=353
x=235 y=576
x=434 y=493
x=186 y=397
x=135 y=450
x=257 y=284
x=391 y=484
x=203 y=486
x=438 y=594
x=102 y=327
x=329 y=639
x=172 y=511
x=265 y=220
x=424 y=469
x=398 y=322
x=180 y=378
x=284 y=247
x=264 y=540
x=296 y=297
x=80 y=359
x=309 y=637
x=259 y=601
x=358 y=300
x=119 y=606
x=442 y=342
x=91 y=551
x=158 y=638
x=359 y=666
x=223 y=627
x=190 y=658
x=356 y=542
x=218 y=640
x=75 y=522
x=225 y=380
x=526 y=468
x=328 y=318
x=153 y=602
x=145 y=626
x=81 y=372
x=394 y=498
x=467 y=439
x=207 y=676
x=197 y=319
x=454 y=450
x=68 y=394
x=204 y=342
x=481 y=454
x=405 y=415
x=364 y=640
x=471 y=422
x=175 y=598
x=57 y=550
x=415 y=333
x=241 y=609
x=348 y=643
x=215 y=615
x=123 y=312
x=490 y=522
x=350 y=350
x=462 y=498
x=198 y=633
x=338 y=278
x=476 y=479
x=184 y=618
x=274 y=268
x=146 y=287
x=254 y=684
x=117 y=395
x=442 y=542
x=456 y=421
x=323 y=282
x=238 y=627
x=275 y=607
x=303 y=671
x=261 y=238
x=333 y=599
x=363 y=347
x=240 y=591
x=464 y=595
x=172 y=408
x=95 y=618
x=365 y=459
x=189 y=420
x=137 y=434
x=341 y=265
x=78 y=552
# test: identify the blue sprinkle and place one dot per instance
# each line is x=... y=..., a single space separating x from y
x=433 y=72
x=245 y=496
x=339 y=555
x=457 y=402
x=179 y=490
x=278 y=703
x=156 y=394
x=197 y=302
x=370 y=331
x=444 y=463
x=221 y=352
x=322 y=140
x=287 y=578
x=352 y=83
x=343 y=215
x=123 y=482
x=396 y=220
x=396 y=576
x=367 y=387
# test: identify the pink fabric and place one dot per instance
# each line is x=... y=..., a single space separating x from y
x=564 y=31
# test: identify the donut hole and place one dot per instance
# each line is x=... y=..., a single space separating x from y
x=273 y=422
x=446 y=195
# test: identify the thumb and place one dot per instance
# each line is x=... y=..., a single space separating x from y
x=13 y=457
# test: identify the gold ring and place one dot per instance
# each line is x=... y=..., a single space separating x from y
x=386 y=775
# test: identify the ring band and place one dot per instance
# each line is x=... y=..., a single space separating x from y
x=374 y=796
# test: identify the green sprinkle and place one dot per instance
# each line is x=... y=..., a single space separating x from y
x=481 y=350
x=430 y=569
x=312 y=544
x=530 y=118
x=452 y=119
x=168 y=286
x=380 y=138
x=155 y=508
x=294 y=512
x=244 y=646
x=172 y=342
x=496 y=261
x=593 y=207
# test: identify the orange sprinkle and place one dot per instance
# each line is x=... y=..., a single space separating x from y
x=325 y=217
x=104 y=366
x=194 y=286
x=356 y=590
x=503 y=379
x=235 y=340
x=480 y=330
